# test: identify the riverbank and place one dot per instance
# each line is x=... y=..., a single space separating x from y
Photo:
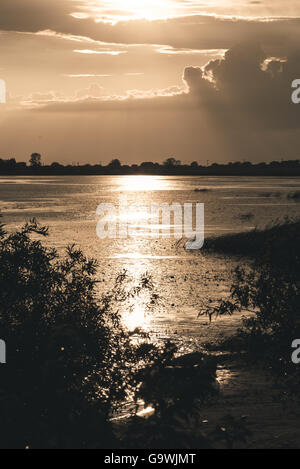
x=258 y=380
x=249 y=392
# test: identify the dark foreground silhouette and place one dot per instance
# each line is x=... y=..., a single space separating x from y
x=71 y=365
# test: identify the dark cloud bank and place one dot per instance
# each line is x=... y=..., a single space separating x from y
x=246 y=88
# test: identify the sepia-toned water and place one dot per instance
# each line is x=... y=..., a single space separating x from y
x=186 y=281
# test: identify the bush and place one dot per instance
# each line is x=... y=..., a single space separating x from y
x=273 y=294
x=70 y=363
x=269 y=286
x=276 y=244
x=175 y=390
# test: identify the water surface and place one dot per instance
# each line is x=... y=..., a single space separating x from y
x=186 y=281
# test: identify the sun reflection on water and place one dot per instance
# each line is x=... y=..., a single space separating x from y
x=137 y=214
x=143 y=183
x=137 y=318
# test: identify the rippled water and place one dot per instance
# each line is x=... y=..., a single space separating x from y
x=185 y=280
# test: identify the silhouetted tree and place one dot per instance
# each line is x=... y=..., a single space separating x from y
x=115 y=164
x=35 y=160
x=171 y=162
x=56 y=165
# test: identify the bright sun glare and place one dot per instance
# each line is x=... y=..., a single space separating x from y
x=143 y=183
x=143 y=9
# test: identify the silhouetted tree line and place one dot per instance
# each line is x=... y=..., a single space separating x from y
x=171 y=166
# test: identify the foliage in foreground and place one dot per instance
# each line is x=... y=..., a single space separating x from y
x=71 y=363
x=269 y=287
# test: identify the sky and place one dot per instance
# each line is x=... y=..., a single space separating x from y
x=143 y=80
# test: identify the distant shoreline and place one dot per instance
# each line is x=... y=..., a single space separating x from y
x=47 y=171
x=170 y=167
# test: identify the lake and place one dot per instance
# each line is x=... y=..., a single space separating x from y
x=186 y=281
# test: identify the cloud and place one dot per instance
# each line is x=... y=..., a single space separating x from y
x=197 y=31
x=179 y=51
x=94 y=99
x=134 y=74
x=43 y=97
x=245 y=88
x=46 y=60
x=199 y=86
x=94 y=91
x=87 y=75
x=80 y=16
x=233 y=108
x=254 y=87
x=99 y=52
x=234 y=99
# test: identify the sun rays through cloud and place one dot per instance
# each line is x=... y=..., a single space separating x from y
x=113 y=11
x=117 y=10
x=140 y=9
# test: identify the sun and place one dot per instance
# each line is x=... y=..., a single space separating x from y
x=142 y=9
